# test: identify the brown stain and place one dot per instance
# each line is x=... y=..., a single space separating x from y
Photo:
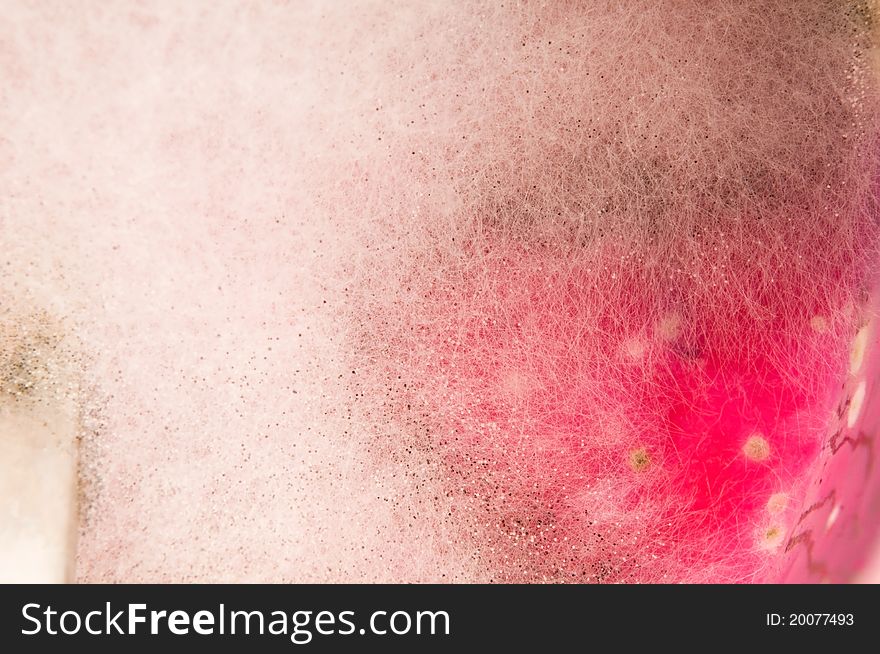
x=40 y=382
x=862 y=439
x=805 y=538
x=639 y=460
x=31 y=355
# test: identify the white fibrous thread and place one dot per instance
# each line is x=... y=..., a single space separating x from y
x=583 y=195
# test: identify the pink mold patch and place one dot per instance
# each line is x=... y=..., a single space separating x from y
x=640 y=440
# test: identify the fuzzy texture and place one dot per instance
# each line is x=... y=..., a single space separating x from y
x=431 y=291
x=612 y=302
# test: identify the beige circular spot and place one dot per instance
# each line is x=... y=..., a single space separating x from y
x=855 y=405
x=819 y=324
x=669 y=327
x=777 y=503
x=756 y=448
x=771 y=538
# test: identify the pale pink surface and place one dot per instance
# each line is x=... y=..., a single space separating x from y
x=156 y=164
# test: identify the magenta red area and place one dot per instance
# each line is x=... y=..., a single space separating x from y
x=615 y=441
